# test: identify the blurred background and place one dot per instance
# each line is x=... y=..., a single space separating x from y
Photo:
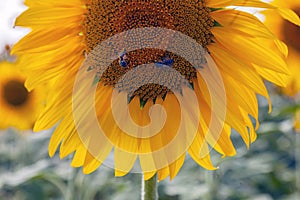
x=268 y=170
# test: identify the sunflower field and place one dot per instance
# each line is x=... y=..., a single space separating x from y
x=150 y=99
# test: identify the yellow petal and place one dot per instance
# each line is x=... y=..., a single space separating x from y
x=243 y=22
x=253 y=51
x=124 y=161
x=90 y=164
x=176 y=166
x=79 y=156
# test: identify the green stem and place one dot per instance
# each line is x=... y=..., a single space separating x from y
x=211 y=180
x=149 y=188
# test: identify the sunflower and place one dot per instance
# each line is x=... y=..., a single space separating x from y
x=19 y=108
x=290 y=34
x=151 y=103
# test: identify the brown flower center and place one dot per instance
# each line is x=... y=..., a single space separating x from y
x=106 y=18
x=291 y=33
x=14 y=93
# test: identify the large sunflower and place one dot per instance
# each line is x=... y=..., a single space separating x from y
x=290 y=34
x=18 y=107
x=201 y=109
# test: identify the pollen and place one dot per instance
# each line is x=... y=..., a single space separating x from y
x=106 y=18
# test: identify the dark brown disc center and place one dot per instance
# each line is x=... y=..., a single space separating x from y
x=14 y=93
x=105 y=19
x=291 y=32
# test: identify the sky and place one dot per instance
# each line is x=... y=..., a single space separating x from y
x=9 y=10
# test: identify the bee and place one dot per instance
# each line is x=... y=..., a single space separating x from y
x=122 y=59
x=165 y=61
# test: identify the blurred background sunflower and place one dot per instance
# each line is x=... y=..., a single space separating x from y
x=18 y=107
x=290 y=34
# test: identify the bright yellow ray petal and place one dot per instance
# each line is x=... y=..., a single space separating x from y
x=243 y=22
x=148 y=175
x=252 y=51
x=218 y=137
x=42 y=37
x=59 y=134
x=282 y=47
x=163 y=173
x=51 y=16
x=176 y=166
x=90 y=164
x=245 y=75
x=79 y=156
x=51 y=3
x=70 y=143
x=284 y=12
x=230 y=111
x=219 y=3
x=274 y=77
x=195 y=152
x=124 y=161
